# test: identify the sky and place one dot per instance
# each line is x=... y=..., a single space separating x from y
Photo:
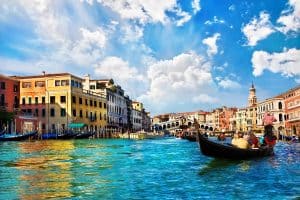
x=173 y=56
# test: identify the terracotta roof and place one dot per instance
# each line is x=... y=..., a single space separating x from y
x=46 y=75
x=8 y=77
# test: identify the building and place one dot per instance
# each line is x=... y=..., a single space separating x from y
x=9 y=103
x=117 y=102
x=241 y=119
x=292 y=111
x=59 y=100
x=137 y=119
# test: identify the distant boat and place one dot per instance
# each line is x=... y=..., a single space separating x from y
x=218 y=150
x=17 y=137
x=83 y=135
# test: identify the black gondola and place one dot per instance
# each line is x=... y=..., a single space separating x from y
x=214 y=149
x=17 y=137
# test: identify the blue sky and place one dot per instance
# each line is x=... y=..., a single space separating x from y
x=171 y=55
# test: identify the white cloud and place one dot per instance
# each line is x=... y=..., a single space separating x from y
x=211 y=43
x=226 y=83
x=290 y=18
x=231 y=8
x=150 y=11
x=287 y=62
x=123 y=74
x=258 y=29
x=180 y=80
x=214 y=21
x=196 y=6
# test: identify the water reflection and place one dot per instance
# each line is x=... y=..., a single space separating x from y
x=46 y=169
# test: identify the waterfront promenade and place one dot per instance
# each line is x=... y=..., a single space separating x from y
x=166 y=168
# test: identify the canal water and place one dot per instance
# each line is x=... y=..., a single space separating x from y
x=141 y=169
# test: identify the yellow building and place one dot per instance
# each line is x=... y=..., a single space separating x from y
x=61 y=102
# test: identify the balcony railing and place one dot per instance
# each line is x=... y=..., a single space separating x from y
x=294 y=119
x=3 y=106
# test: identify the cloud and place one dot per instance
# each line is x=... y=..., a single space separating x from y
x=287 y=62
x=290 y=18
x=184 y=78
x=214 y=21
x=151 y=11
x=258 y=29
x=231 y=8
x=226 y=83
x=211 y=43
x=122 y=73
x=196 y=6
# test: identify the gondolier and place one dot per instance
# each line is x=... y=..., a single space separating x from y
x=268 y=124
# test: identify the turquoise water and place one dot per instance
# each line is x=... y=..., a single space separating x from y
x=141 y=169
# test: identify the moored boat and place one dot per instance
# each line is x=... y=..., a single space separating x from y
x=17 y=137
x=226 y=150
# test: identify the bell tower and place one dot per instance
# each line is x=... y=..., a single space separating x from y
x=252 y=100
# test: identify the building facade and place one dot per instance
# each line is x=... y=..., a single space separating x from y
x=292 y=111
x=117 y=102
x=9 y=103
x=58 y=100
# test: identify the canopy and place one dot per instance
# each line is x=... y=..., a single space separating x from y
x=76 y=125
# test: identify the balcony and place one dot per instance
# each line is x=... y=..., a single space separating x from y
x=293 y=119
x=3 y=106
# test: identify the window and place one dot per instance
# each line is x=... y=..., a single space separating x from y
x=87 y=114
x=40 y=84
x=2 y=85
x=280 y=117
x=73 y=99
x=52 y=112
x=100 y=104
x=72 y=83
x=2 y=100
x=80 y=100
x=100 y=116
x=95 y=103
x=43 y=126
x=57 y=83
x=29 y=100
x=91 y=102
x=74 y=112
x=86 y=102
x=92 y=87
x=64 y=82
x=80 y=114
x=43 y=112
x=36 y=112
x=43 y=100
x=52 y=99
x=36 y=100
x=279 y=105
x=23 y=101
x=62 y=99
x=15 y=88
x=26 y=85
x=62 y=112
x=104 y=105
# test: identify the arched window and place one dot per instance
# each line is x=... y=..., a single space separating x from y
x=280 y=117
x=279 y=105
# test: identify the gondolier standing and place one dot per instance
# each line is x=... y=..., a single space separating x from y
x=268 y=124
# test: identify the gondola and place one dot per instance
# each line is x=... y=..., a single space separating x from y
x=227 y=151
x=84 y=135
x=17 y=137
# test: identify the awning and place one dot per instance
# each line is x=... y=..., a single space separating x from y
x=76 y=125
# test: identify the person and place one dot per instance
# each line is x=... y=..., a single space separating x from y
x=239 y=141
x=253 y=141
x=268 y=120
x=222 y=136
